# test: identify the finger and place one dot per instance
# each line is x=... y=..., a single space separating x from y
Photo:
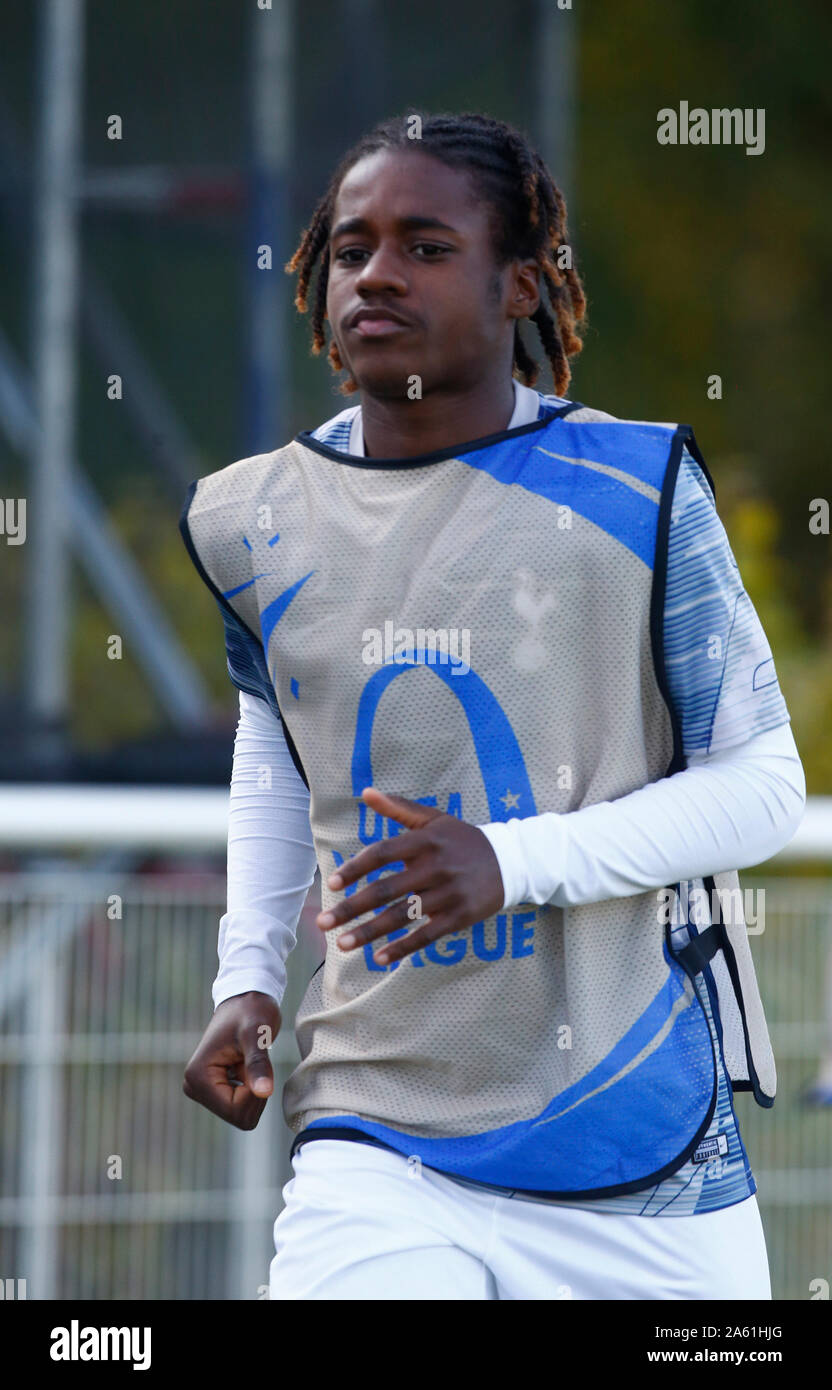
x=410 y=813
x=382 y=855
x=231 y=1097
x=209 y=1085
x=375 y=895
x=414 y=941
x=208 y=1081
x=402 y=914
x=255 y=1040
x=413 y=814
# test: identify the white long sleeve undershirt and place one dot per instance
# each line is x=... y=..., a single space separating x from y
x=726 y=810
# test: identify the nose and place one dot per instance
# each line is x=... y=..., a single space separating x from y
x=382 y=272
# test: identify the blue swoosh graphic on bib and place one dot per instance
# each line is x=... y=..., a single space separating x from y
x=274 y=611
x=495 y=743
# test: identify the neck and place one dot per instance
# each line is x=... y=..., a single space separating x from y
x=404 y=428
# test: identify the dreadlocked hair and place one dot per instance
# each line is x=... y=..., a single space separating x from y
x=529 y=222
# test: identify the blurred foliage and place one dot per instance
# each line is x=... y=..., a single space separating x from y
x=803 y=663
x=119 y=685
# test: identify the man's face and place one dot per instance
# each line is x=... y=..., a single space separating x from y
x=414 y=289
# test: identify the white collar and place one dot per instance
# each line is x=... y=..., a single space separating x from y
x=526 y=409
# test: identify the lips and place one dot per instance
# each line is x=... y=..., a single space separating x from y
x=377 y=323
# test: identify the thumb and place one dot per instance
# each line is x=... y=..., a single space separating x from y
x=412 y=814
x=255 y=1041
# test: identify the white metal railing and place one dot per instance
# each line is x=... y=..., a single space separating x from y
x=77 y=816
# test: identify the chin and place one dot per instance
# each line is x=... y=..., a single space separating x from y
x=385 y=380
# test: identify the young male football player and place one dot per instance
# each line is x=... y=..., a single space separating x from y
x=496 y=658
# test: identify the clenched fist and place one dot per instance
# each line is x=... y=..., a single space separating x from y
x=230 y=1072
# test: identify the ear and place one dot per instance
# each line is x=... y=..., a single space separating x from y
x=524 y=289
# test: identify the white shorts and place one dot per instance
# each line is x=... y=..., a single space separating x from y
x=362 y=1222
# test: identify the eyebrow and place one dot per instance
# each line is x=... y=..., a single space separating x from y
x=408 y=224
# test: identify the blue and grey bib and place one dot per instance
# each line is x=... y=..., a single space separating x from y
x=481 y=629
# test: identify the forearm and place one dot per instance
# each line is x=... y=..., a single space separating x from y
x=271 y=858
x=727 y=810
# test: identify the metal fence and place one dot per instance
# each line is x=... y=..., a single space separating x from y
x=114 y=1186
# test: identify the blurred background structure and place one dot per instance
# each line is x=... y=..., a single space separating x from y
x=148 y=154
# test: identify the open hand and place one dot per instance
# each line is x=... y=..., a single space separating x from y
x=450 y=876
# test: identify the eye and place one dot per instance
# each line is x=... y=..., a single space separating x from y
x=431 y=250
x=350 y=255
